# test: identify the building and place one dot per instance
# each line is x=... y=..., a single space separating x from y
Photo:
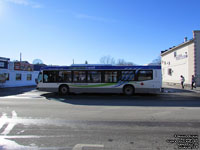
x=183 y=59
x=18 y=73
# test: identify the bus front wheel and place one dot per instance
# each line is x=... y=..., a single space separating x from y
x=64 y=90
x=129 y=90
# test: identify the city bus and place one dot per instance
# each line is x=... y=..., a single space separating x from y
x=100 y=79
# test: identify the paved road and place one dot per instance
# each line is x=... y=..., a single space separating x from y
x=33 y=120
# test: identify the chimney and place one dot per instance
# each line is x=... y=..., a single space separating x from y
x=185 y=39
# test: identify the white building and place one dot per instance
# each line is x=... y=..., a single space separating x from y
x=14 y=74
x=183 y=59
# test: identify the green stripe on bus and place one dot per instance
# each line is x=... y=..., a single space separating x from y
x=96 y=85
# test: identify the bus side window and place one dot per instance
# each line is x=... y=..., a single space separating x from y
x=102 y=76
x=119 y=75
x=128 y=75
x=65 y=76
x=45 y=76
x=53 y=76
x=79 y=76
x=145 y=75
x=110 y=76
x=94 y=77
x=40 y=77
x=50 y=76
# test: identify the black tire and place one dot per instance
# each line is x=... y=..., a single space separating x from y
x=128 y=90
x=64 y=90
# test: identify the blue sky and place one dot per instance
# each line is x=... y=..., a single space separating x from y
x=58 y=31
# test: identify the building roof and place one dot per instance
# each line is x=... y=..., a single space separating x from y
x=4 y=59
x=176 y=47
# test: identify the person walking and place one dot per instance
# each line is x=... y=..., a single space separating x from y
x=182 y=81
x=193 y=82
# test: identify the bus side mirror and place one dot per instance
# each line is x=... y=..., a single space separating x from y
x=36 y=81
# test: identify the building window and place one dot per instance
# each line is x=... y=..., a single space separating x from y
x=163 y=71
x=7 y=76
x=169 y=71
x=18 y=76
x=29 y=77
x=186 y=54
x=175 y=54
x=145 y=75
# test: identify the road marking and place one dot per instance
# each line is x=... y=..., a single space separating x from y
x=6 y=144
x=3 y=120
x=81 y=146
x=17 y=97
x=22 y=96
x=33 y=136
x=10 y=125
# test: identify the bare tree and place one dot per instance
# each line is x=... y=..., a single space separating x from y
x=122 y=62
x=107 y=60
x=130 y=64
x=111 y=60
x=156 y=61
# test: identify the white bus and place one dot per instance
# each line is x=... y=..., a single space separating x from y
x=100 y=78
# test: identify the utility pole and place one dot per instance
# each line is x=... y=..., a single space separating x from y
x=20 y=56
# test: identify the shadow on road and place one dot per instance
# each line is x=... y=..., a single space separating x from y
x=15 y=90
x=176 y=90
x=151 y=100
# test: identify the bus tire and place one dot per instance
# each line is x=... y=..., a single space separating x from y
x=128 y=90
x=63 y=90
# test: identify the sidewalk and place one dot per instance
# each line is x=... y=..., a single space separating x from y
x=187 y=88
x=15 y=90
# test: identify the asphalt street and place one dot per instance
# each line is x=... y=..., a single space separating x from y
x=30 y=119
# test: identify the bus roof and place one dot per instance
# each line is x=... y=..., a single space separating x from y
x=97 y=67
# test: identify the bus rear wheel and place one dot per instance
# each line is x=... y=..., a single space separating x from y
x=63 y=90
x=129 y=90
